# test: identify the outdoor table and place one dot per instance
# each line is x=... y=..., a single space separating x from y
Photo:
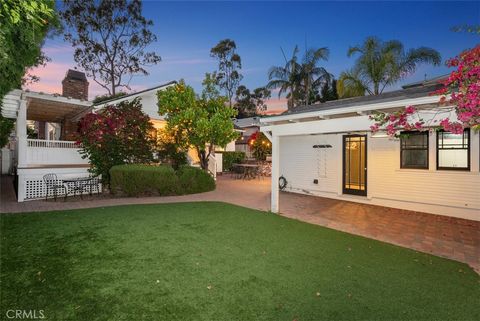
x=249 y=170
x=78 y=184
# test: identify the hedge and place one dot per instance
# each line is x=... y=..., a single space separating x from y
x=230 y=158
x=141 y=180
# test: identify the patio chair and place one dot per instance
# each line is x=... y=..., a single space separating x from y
x=53 y=183
x=92 y=184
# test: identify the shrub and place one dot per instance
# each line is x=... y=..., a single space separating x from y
x=194 y=180
x=230 y=158
x=115 y=135
x=169 y=150
x=136 y=180
x=140 y=180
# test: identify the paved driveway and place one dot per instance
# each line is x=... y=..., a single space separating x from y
x=447 y=237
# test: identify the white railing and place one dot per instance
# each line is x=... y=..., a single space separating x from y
x=47 y=152
x=212 y=166
x=51 y=143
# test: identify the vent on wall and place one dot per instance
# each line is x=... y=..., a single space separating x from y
x=322 y=146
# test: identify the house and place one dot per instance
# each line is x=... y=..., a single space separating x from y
x=149 y=101
x=148 y=98
x=247 y=127
x=54 y=119
x=328 y=150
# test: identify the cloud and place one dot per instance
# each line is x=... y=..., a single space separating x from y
x=51 y=77
x=276 y=105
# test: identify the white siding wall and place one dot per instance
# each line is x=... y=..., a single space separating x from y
x=450 y=193
x=149 y=105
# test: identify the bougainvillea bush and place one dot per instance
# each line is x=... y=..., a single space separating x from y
x=116 y=135
x=463 y=88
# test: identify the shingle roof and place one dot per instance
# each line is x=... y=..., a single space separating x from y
x=409 y=92
x=247 y=122
x=135 y=93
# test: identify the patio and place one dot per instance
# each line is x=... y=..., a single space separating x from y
x=452 y=238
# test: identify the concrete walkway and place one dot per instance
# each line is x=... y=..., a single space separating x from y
x=452 y=238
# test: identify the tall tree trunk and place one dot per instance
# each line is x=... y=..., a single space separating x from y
x=203 y=159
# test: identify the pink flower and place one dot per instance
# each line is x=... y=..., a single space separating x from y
x=410 y=110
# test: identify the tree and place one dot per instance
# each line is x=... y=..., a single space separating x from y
x=463 y=86
x=328 y=91
x=196 y=122
x=286 y=78
x=229 y=65
x=249 y=104
x=116 y=135
x=313 y=76
x=381 y=64
x=169 y=149
x=260 y=145
x=110 y=38
x=300 y=81
x=23 y=28
x=210 y=87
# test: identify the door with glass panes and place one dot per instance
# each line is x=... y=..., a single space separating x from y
x=355 y=164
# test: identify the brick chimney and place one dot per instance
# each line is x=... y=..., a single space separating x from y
x=75 y=85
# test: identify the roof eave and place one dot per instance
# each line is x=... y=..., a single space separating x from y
x=343 y=110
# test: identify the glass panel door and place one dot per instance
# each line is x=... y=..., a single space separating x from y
x=355 y=164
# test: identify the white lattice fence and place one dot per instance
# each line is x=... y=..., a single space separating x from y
x=31 y=185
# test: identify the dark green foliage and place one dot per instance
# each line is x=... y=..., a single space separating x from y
x=194 y=180
x=328 y=91
x=217 y=262
x=230 y=158
x=229 y=66
x=141 y=180
x=249 y=104
x=6 y=127
x=170 y=150
x=300 y=80
x=381 y=64
x=110 y=39
x=102 y=98
x=24 y=24
x=171 y=154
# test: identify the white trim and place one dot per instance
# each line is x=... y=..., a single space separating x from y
x=344 y=124
x=56 y=98
x=130 y=96
x=323 y=114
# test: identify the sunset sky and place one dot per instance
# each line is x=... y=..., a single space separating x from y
x=187 y=30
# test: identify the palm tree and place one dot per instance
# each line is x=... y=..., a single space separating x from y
x=381 y=64
x=300 y=80
x=313 y=76
x=286 y=78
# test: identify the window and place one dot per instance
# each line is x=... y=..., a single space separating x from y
x=453 y=150
x=414 y=150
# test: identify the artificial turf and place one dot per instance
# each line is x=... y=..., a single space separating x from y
x=215 y=261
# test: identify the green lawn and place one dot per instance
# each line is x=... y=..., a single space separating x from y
x=214 y=261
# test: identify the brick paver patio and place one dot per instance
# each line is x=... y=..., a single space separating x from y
x=456 y=239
